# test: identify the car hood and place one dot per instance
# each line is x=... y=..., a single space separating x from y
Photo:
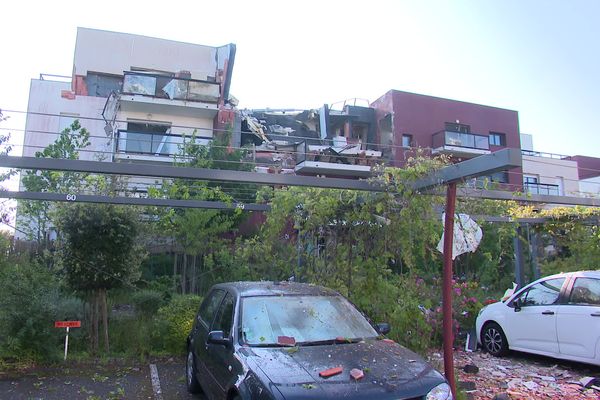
x=391 y=371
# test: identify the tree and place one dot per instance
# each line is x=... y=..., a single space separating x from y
x=37 y=213
x=99 y=249
x=199 y=232
x=6 y=212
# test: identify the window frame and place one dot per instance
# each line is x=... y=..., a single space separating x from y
x=219 y=314
x=205 y=304
x=559 y=300
x=409 y=138
x=572 y=287
x=500 y=136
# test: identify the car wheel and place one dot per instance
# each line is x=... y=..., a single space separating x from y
x=493 y=339
x=190 y=374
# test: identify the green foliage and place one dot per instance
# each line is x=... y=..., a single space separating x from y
x=31 y=301
x=174 y=323
x=99 y=246
x=67 y=146
x=147 y=302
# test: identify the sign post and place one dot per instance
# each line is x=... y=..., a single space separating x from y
x=67 y=324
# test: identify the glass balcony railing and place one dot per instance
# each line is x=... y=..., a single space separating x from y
x=142 y=143
x=458 y=139
x=541 y=188
x=168 y=87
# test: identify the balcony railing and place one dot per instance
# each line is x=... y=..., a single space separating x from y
x=543 y=154
x=458 y=139
x=157 y=144
x=541 y=188
x=168 y=87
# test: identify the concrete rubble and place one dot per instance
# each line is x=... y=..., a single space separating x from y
x=522 y=377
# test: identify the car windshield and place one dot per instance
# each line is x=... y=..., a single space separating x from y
x=287 y=320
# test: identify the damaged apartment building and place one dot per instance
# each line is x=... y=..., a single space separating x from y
x=138 y=97
x=325 y=141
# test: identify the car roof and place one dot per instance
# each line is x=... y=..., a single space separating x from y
x=269 y=288
x=589 y=274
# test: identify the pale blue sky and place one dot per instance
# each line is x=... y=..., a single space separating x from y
x=539 y=57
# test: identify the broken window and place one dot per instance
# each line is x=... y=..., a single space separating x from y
x=139 y=84
x=101 y=85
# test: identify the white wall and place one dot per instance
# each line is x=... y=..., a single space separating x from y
x=590 y=187
x=553 y=171
x=115 y=52
x=41 y=130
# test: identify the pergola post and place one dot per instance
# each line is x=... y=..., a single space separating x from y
x=447 y=326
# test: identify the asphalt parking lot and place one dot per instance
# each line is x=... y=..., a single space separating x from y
x=112 y=380
x=519 y=376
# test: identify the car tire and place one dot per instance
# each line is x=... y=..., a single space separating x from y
x=193 y=386
x=494 y=340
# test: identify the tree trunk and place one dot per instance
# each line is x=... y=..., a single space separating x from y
x=104 y=306
x=175 y=259
x=194 y=275
x=94 y=321
x=184 y=274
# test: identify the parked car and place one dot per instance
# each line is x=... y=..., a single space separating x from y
x=556 y=316
x=269 y=340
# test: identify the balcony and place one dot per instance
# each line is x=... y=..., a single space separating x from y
x=152 y=93
x=336 y=158
x=144 y=146
x=460 y=144
x=541 y=188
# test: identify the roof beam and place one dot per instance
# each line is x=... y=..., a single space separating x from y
x=168 y=171
x=137 y=201
x=482 y=165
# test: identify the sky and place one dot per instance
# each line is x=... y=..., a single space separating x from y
x=539 y=57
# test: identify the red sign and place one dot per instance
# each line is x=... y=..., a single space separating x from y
x=67 y=324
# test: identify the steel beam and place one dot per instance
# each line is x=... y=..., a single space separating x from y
x=528 y=198
x=137 y=201
x=167 y=171
x=478 y=166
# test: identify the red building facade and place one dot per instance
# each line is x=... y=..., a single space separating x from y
x=460 y=129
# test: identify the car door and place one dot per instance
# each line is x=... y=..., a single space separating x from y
x=533 y=326
x=221 y=364
x=204 y=320
x=578 y=321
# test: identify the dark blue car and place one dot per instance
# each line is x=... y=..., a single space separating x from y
x=269 y=340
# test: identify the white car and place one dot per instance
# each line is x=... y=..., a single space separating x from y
x=556 y=316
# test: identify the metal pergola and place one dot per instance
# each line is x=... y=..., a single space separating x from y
x=448 y=176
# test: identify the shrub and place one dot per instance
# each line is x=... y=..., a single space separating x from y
x=174 y=323
x=147 y=302
x=30 y=303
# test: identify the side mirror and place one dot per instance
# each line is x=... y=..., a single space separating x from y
x=216 y=337
x=517 y=304
x=383 y=328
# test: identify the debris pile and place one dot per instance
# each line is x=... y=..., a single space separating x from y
x=522 y=376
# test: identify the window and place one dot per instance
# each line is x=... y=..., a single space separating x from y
x=224 y=320
x=101 y=85
x=543 y=294
x=456 y=127
x=305 y=318
x=530 y=180
x=497 y=139
x=499 y=177
x=406 y=140
x=210 y=305
x=586 y=291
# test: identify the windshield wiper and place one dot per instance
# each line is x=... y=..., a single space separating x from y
x=339 y=340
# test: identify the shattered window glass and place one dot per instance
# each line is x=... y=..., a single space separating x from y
x=139 y=84
x=303 y=318
x=544 y=293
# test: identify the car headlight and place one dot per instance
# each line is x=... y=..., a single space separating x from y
x=440 y=392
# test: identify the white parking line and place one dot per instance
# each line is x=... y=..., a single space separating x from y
x=155 y=382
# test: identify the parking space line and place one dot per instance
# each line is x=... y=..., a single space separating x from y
x=155 y=382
